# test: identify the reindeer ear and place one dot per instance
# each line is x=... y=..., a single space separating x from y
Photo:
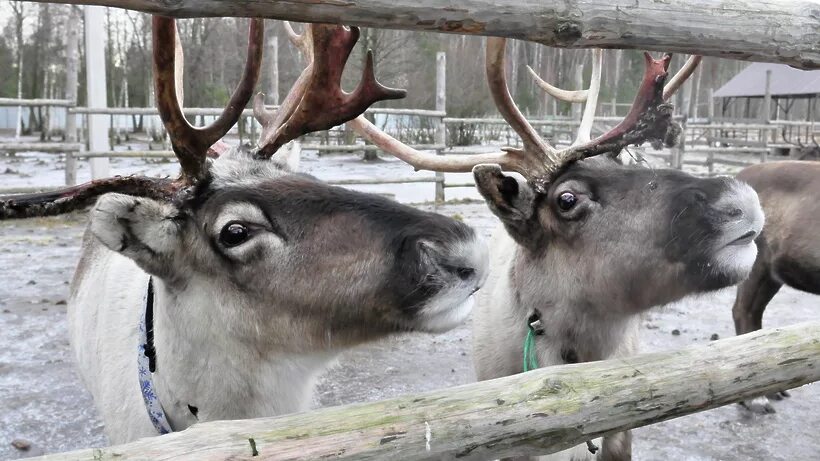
x=142 y=229
x=513 y=201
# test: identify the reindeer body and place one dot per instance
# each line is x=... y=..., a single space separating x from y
x=244 y=330
x=634 y=239
x=789 y=245
x=198 y=363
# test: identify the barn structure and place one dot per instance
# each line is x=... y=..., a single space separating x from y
x=793 y=93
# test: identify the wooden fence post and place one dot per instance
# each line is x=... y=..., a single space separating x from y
x=676 y=157
x=70 y=168
x=441 y=105
x=765 y=114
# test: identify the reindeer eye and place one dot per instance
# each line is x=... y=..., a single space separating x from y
x=566 y=201
x=233 y=234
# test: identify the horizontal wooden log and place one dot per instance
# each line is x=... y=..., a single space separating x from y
x=731 y=162
x=545 y=122
x=215 y=111
x=537 y=412
x=362 y=182
x=128 y=154
x=754 y=30
x=48 y=147
x=732 y=126
x=36 y=102
x=363 y=147
x=735 y=142
x=725 y=150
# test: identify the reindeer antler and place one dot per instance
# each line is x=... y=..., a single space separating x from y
x=191 y=144
x=317 y=102
x=538 y=161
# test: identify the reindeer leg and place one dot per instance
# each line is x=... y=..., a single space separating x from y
x=752 y=297
x=617 y=447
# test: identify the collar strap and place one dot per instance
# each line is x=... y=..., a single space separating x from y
x=147 y=365
x=534 y=328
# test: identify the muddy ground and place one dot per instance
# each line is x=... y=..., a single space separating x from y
x=42 y=401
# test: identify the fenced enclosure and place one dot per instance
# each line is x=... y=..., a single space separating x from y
x=708 y=147
x=538 y=412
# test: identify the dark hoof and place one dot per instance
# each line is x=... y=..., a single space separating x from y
x=777 y=396
x=759 y=405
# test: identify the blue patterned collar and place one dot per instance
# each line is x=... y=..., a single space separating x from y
x=146 y=365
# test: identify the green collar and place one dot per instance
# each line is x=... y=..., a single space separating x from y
x=534 y=328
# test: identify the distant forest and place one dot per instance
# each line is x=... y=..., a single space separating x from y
x=32 y=46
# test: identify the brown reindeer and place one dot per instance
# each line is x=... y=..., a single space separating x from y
x=587 y=243
x=788 y=248
x=241 y=280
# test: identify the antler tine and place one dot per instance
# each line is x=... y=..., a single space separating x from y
x=530 y=161
x=497 y=80
x=191 y=143
x=585 y=128
x=301 y=41
x=317 y=102
x=74 y=198
x=421 y=161
x=681 y=76
x=589 y=96
x=648 y=118
x=558 y=93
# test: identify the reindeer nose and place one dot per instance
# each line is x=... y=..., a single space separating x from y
x=735 y=213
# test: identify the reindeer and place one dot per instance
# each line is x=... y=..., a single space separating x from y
x=222 y=294
x=587 y=244
x=788 y=247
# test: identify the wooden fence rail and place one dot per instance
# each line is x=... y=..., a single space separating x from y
x=755 y=30
x=538 y=412
x=36 y=102
x=557 y=128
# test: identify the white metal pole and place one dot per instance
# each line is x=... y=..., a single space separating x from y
x=441 y=105
x=96 y=87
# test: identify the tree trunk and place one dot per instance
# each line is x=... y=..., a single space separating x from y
x=72 y=69
x=18 y=9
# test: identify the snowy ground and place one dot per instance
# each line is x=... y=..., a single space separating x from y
x=43 y=402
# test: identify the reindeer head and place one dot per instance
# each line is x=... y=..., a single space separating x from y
x=270 y=246
x=591 y=230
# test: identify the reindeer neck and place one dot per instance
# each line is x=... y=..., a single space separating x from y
x=575 y=329
x=571 y=336
x=206 y=371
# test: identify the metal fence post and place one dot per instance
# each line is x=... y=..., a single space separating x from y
x=95 y=86
x=441 y=105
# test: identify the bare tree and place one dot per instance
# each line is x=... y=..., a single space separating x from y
x=18 y=12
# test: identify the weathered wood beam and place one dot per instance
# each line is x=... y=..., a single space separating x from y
x=536 y=412
x=754 y=30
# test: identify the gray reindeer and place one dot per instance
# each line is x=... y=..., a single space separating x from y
x=587 y=244
x=224 y=294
